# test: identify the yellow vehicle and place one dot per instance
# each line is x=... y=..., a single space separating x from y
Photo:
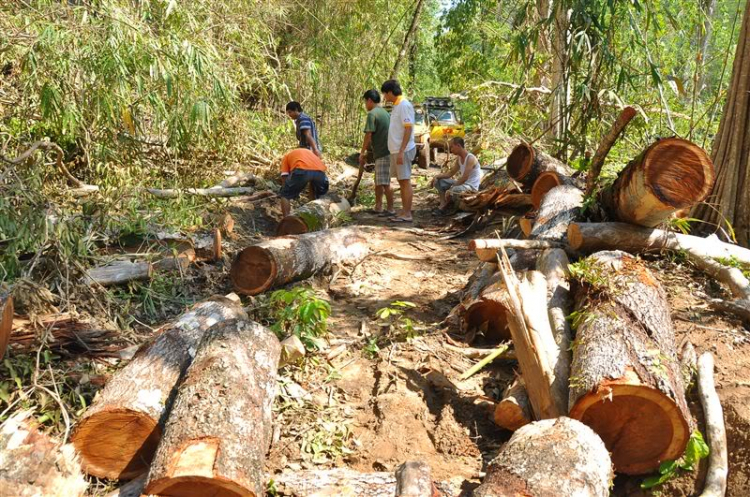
x=437 y=121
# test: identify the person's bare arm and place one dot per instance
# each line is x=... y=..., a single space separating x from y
x=311 y=142
x=448 y=174
x=365 y=146
x=404 y=142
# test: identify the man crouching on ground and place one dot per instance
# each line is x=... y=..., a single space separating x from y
x=470 y=175
x=299 y=168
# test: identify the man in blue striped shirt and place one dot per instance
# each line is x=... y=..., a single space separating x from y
x=307 y=132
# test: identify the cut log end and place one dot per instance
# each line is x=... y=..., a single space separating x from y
x=117 y=444
x=544 y=183
x=494 y=314
x=6 y=322
x=575 y=237
x=292 y=225
x=640 y=426
x=197 y=486
x=679 y=172
x=520 y=161
x=253 y=271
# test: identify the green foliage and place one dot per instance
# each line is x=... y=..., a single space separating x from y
x=300 y=312
x=371 y=349
x=590 y=272
x=695 y=451
x=394 y=317
x=681 y=224
x=736 y=263
x=328 y=440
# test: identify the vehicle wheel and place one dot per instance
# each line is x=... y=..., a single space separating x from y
x=423 y=161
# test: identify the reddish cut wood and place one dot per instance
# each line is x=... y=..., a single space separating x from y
x=625 y=380
x=525 y=164
x=6 y=322
x=293 y=258
x=514 y=410
x=320 y=214
x=220 y=425
x=117 y=436
x=488 y=313
x=670 y=175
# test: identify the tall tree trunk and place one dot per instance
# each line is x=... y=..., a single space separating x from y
x=559 y=118
x=731 y=150
x=407 y=39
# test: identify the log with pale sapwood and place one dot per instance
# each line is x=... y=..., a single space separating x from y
x=220 y=425
x=117 y=436
x=214 y=192
x=559 y=208
x=239 y=179
x=118 y=272
x=6 y=321
x=718 y=464
x=670 y=175
x=293 y=258
x=321 y=214
x=525 y=164
x=514 y=410
x=487 y=248
x=626 y=380
x=554 y=457
x=549 y=180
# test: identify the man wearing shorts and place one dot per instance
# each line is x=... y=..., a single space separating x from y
x=299 y=168
x=376 y=136
x=467 y=166
x=401 y=145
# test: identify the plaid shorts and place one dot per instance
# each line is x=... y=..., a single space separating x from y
x=383 y=171
x=403 y=171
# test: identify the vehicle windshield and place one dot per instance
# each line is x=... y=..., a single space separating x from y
x=444 y=116
x=419 y=116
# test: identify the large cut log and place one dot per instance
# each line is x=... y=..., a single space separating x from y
x=554 y=457
x=220 y=425
x=6 y=321
x=514 y=410
x=592 y=237
x=293 y=258
x=626 y=381
x=318 y=215
x=32 y=464
x=118 y=434
x=549 y=180
x=670 y=175
x=559 y=208
x=526 y=163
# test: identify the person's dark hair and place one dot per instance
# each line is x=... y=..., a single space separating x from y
x=372 y=95
x=458 y=141
x=294 y=106
x=391 y=86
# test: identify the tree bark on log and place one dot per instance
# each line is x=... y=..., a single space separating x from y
x=514 y=410
x=214 y=192
x=240 y=179
x=670 y=175
x=525 y=164
x=550 y=458
x=118 y=434
x=6 y=322
x=220 y=425
x=718 y=464
x=118 y=272
x=318 y=215
x=293 y=258
x=608 y=141
x=626 y=381
x=592 y=237
x=559 y=208
x=32 y=464
x=546 y=182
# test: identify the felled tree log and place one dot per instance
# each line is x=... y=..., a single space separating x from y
x=117 y=436
x=526 y=163
x=559 y=208
x=239 y=179
x=514 y=410
x=293 y=258
x=220 y=425
x=487 y=248
x=718 y=463
x=488 y=313
x=592 y=237
x=550 y=458
x=118 y=272
x=626 y=381
x=320 y=214
x=6 y=322
x=547 y=181
x=32 y=464
x=215 y=192
x=670 y=175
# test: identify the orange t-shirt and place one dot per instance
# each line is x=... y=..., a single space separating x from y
x=301 y=158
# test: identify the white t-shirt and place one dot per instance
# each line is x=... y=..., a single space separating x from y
x=402 y=116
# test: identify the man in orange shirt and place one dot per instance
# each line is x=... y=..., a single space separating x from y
x=299 y=168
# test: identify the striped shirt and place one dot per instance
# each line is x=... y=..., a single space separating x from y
x=305 y=122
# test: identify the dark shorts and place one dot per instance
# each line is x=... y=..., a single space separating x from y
x=298 y=180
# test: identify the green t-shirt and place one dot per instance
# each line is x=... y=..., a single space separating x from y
x=378 y=122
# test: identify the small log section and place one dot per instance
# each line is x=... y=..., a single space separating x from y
x=32 y=464
x=487 y=249
x=525 y=164
x=220 y=426
x=213 y=192
x=550 y=458
x=293 y=258
x=514 y=410
x=559 y=208
x=318 y=215
x=6 y=321
x=718 y=463
x=118 y=272
x=626 y=380
x=118 y=434
x=670 y=175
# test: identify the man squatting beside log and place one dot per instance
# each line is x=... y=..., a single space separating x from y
x=376 y=137
x=300 y=168
x=471 y=175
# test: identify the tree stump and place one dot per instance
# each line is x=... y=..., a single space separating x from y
x=318 y=215
x=550 y=458
x=625 y=381
x=219 y=428
x=525 y=164
x=118 y=434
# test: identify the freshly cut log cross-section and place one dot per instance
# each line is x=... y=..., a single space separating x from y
x=488 y=312
x=6 y=322
x=219 y=428
x=118 y=434
x=292 y=258
x=670 y=175
x=554 y=457
x=546 y=182
x=514 y=410
x=625 y=380
x=317 y=215
x=525 y=164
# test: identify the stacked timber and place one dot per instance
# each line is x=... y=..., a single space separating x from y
x=320 y=214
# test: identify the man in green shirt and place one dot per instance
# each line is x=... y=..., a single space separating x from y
x=376 y=135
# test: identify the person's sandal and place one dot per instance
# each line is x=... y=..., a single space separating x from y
x=387 y=213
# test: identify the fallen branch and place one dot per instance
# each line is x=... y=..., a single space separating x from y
x=218 y=192
x=716 y=478
x=488 y=359
x=47 y=145
x=627 y=114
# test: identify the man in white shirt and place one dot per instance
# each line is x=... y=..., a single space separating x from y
x=467 y=166
x=401 y=145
